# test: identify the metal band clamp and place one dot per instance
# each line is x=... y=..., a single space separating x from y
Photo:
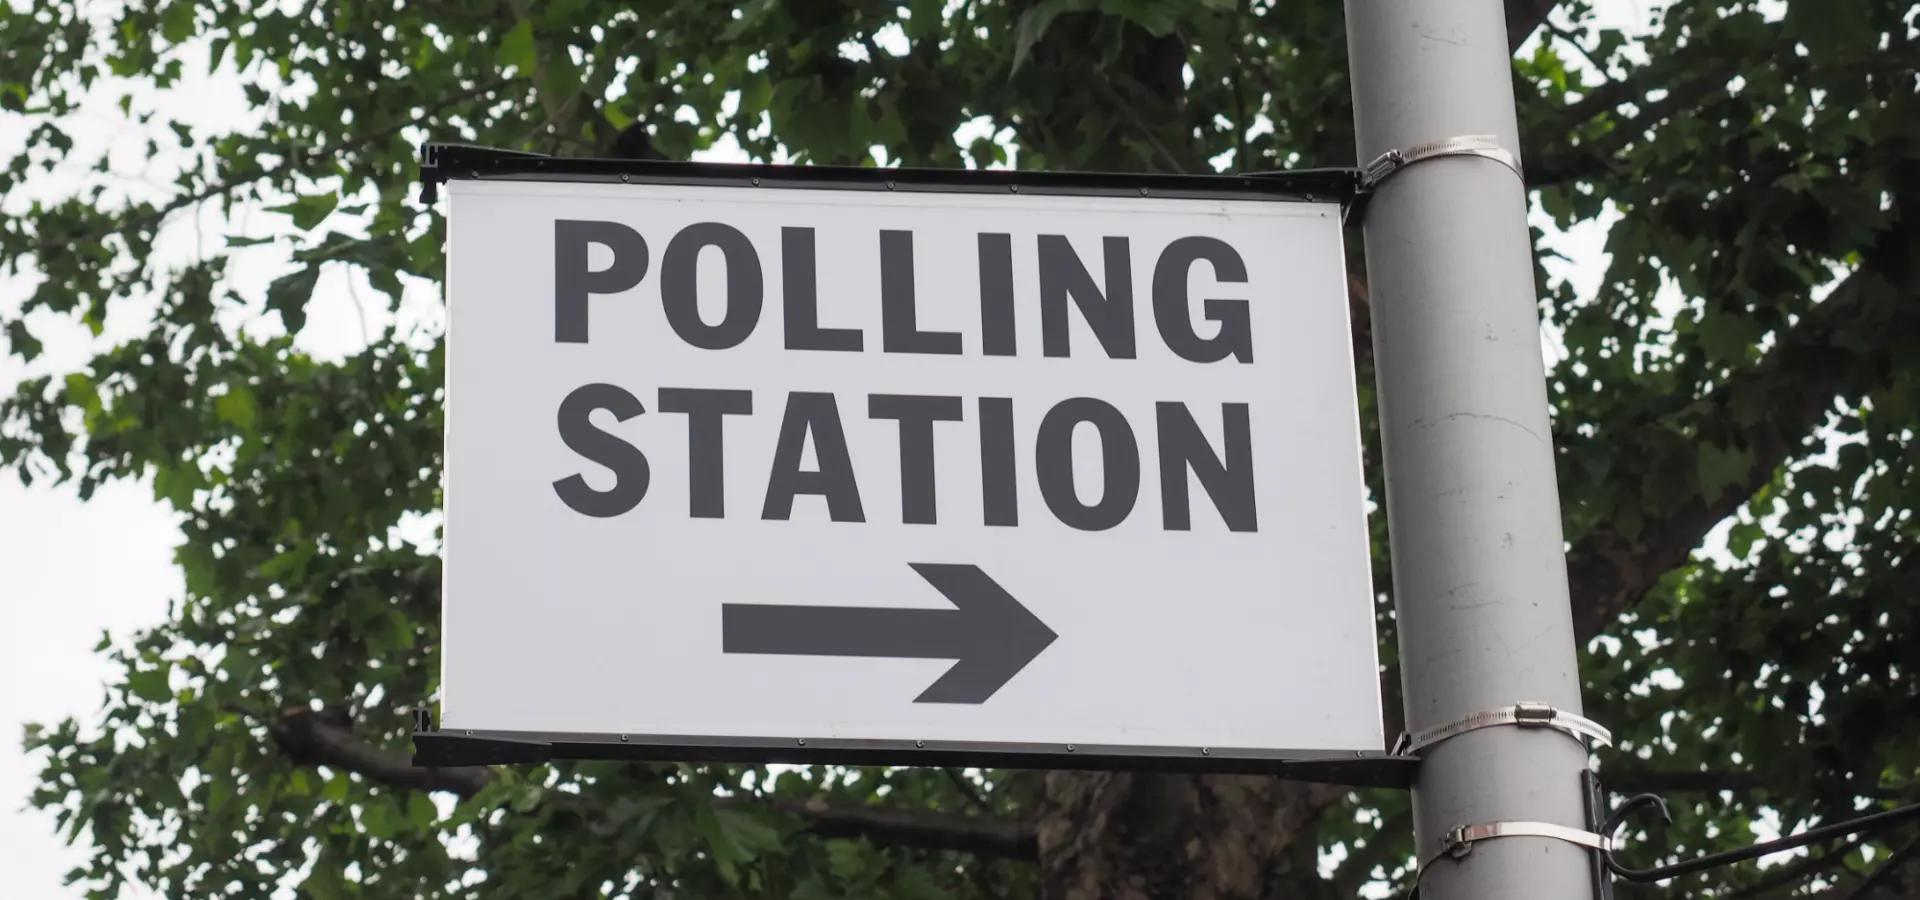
x=1524 y=714
x=1459 y=840
x=1485 y=146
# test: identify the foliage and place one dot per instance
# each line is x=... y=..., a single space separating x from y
x=1750 y=357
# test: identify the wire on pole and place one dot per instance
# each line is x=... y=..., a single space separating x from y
x=1715 y=860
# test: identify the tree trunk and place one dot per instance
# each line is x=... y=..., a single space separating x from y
x=1119 y=836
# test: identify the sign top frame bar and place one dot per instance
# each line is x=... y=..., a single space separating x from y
x=443 y=162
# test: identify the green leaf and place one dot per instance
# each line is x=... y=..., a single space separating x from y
x=634 y=815
x=720 y=843
x=151 y=685
x=288 y=296
x=21 y=341
x=923 y=19
x=814 y=888
x=421 y=811
x=1718 y=469
x=1741 y=538
x=381 y=817
x=1830 y=27
x=237 y=406
x=176 y=22
x=517 y=49
x=915 y=884
x=1034 y=24
x=748 y=18
x=218 y=793
x=527 y=796
x=1156 y=17
x=336 y=788
x=747 y=832
x=326 y=883
x=309 y=211
x=81 y=392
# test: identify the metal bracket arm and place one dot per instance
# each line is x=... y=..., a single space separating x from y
x=1523 y=714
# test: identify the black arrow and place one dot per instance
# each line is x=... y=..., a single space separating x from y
x=991 y=635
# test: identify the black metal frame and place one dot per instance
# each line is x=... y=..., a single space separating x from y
x=443 y=749
x=1596 y=797
x=443 y=162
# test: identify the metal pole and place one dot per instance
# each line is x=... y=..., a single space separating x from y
x=1479 y=571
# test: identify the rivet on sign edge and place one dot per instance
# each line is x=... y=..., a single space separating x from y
x=1143 y=192
x=889 y=185
x=623 y=739
x=919 y=743
x=756 y=182
x=1205 y=752
x=1069 y=748
x=624 y=178
x=469 y=732
x=803 y=741
x=1014 y=188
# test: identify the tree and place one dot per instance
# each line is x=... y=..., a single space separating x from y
x=1734 y=409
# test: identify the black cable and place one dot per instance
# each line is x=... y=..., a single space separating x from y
x=1798 y=871
x=1716 y=860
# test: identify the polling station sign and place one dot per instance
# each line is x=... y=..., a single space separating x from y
x=745 y=464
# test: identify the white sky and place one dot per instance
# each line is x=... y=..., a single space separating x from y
x=71 y=570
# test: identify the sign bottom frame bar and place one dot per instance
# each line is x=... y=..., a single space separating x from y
x=1352 y=768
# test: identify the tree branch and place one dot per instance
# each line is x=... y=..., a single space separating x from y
x=1887 y=876
x=1120 y=105
x=1635 y=781
x=1360 y=315
x=1786 y=396
x=293 y=162
x=325 y=738
x=891 y=826
x=967 y=789
x=1592 y=159
x=310 y=738
x=1686 y=76
x=1895 y=877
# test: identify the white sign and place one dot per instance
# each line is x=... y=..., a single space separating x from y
x=742 y=465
